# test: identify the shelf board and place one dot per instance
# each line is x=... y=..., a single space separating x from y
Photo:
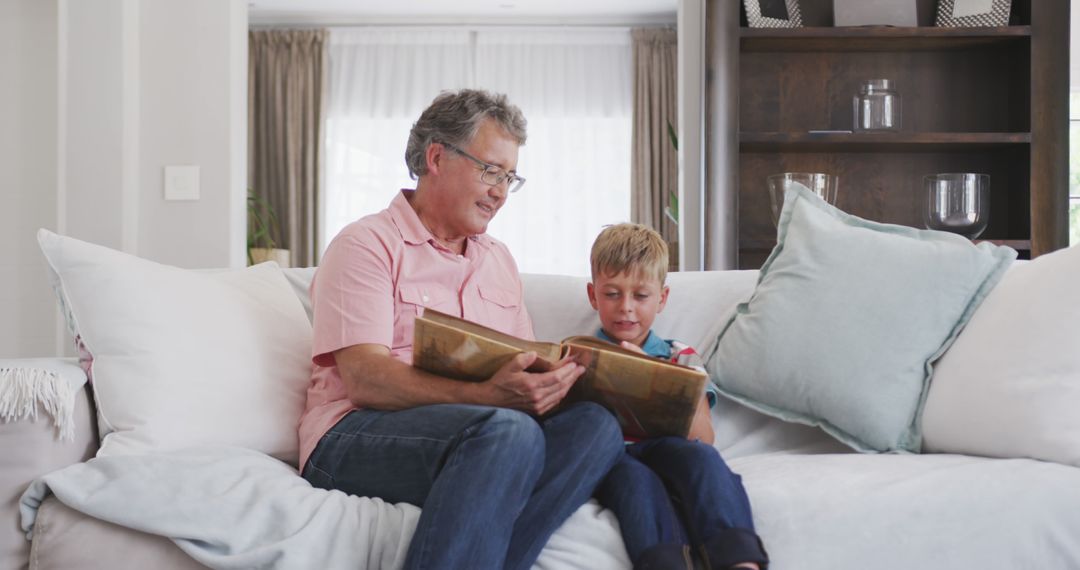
x=768 y=244
x=876 y=142
x=876 y=38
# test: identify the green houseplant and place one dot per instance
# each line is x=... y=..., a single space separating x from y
x=672 y=209
x=262 y=224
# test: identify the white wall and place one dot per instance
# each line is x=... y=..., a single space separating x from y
x=91 y=109
x=28 y=153
x=193 y=111
x=105 y=93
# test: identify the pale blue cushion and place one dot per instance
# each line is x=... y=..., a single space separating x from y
x=846 y=320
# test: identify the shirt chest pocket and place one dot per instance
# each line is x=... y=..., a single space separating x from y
x=413 y=300
x=501 y=305
x=410 y=303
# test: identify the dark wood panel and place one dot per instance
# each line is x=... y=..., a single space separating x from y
x=951 y=91
x=752 y=258
x=887 y=187
x=1017 y=244
x=877 y=38
x=878 y=142
x=1050 y=126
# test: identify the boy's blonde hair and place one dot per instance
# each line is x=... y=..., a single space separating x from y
x=630 y=248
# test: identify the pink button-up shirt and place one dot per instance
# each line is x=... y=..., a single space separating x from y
x=376 y=277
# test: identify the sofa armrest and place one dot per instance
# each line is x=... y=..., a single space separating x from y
x=30 y=438
x=65 y=538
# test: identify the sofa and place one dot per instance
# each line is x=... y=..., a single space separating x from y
x=818 y=504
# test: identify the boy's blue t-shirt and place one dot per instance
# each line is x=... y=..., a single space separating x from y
x=663 y=348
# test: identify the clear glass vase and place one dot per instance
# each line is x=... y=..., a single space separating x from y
x=958 y=202
x=824 y=185
x=877 y=106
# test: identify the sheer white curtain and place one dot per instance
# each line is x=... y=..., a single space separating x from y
x=379 y=82
x=574 y=87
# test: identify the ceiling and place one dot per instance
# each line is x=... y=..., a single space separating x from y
x=561 y=12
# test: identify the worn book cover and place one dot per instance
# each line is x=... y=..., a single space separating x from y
x=650 y=397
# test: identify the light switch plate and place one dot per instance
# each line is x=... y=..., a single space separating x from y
x=181 y=182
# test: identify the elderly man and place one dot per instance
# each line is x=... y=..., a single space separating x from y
x=495 y=471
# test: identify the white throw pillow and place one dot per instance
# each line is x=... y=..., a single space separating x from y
x=1010 y=384
x=184 y=358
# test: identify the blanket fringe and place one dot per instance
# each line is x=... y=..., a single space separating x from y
x=22 y=389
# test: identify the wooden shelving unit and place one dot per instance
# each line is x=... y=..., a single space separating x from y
x=990 y=100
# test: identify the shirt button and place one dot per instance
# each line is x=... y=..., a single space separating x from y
x=424 y=298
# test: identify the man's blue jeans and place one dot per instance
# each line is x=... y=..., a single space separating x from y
x=671 y=491
x=493 y=483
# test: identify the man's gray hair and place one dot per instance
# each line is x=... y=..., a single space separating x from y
x=454 y=117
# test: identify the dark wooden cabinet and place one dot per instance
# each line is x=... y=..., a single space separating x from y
x=991 y=100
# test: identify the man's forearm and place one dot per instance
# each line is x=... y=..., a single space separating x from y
x=374 y=379
x=385 y=383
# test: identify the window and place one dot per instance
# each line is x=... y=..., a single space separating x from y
x=574 y=87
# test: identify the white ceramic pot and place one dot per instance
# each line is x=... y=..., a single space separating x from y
x=261 y=254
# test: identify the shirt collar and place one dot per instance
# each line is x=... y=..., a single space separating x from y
x=653 y=345
x=412 y=229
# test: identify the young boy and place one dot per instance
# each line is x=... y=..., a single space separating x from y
x=668 y=493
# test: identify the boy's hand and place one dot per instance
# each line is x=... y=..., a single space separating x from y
x=701 y=426
x=532 y=392
x=631 y=346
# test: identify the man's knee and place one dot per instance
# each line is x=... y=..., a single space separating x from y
x=513 y=430
x=594 y=418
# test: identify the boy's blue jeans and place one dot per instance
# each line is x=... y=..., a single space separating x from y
x=493 y=483
x=672 y=491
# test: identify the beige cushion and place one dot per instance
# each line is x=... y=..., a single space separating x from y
x=65 y=538
x=31 y=449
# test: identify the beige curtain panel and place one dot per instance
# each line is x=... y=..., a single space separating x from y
x=286 y=75
x=655 y=175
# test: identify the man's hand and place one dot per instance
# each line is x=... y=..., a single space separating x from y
x=535 y=393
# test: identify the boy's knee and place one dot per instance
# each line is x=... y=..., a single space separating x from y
x=680 y=451
x=629 y=472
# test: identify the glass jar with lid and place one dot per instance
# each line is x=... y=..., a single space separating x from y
x=877 y=106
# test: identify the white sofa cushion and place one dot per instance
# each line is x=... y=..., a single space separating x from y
x=183 y=357
x=1010 y=384
x=699 y=302
x=907 y=511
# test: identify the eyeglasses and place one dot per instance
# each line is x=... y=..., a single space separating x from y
x=491 y=174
